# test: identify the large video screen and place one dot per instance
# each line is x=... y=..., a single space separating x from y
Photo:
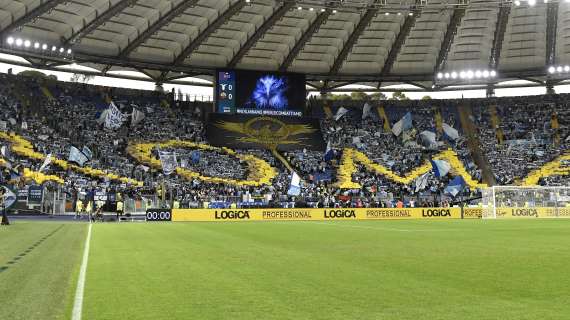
x=260 y=93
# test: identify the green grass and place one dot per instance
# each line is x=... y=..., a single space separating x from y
x=317 y=270
x=39 y=263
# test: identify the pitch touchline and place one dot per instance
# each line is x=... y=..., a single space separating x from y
x=78 y=303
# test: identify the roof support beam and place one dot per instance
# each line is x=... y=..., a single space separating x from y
x=267 y=24
x=499 y=36
x=398 y=43
x=99 y=20
x=159 y=24
x=551 y=26
x=448 y=39
x=221 y=19
x=31 y=15
x=362 y=24
x=416 y=84
x=321 y=18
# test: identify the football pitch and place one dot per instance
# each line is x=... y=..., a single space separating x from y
x=452 y=269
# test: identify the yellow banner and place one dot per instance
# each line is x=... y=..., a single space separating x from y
x=313 y=214
x=537 y=212
x=472 y=213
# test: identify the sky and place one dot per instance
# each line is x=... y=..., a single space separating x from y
x=205 y=93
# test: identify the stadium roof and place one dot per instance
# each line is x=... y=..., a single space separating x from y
x=435 y=43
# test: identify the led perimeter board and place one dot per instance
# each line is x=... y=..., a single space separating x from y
x=259 y=93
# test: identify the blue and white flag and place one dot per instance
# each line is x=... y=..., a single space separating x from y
x=455 y=186
x=101 y=116
x=340 y=113
x=421 y=182
x=113 y=117
x=404 y=124
x=440 y=167
x=366 y=112
x=428 y=139
x=87 y=152
x=450 y=132
x=75 y=155
x=136 y=117
x=329 y=153
x=46 y=162
x=295 y=185
x=168 y=161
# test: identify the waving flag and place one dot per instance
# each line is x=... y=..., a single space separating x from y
x=366 y=111
x=136 y=117
x=113 y=117
x=102 y=116
x=46 y=162
x=450 y=132
x=455 y=186
x=77 y=156
x=428 y=138
x=440 y=167
x=295 y=185
x=421 y=182
x=404 y=124
x=168 y=161
x=329 y=153
x=87 y=152
x=340 y=113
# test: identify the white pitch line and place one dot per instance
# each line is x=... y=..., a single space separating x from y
x=78 y=303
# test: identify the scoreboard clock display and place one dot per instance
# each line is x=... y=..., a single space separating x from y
x=154 y=215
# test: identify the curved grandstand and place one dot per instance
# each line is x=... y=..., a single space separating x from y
x=520 y=141
x=91 y=139
x=429 y=44
x=372 y=207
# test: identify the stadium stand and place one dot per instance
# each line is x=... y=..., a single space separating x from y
x=69 y=116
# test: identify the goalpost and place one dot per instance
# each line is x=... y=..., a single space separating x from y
x=525 y=202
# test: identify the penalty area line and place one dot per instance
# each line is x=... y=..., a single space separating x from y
x=78 y=301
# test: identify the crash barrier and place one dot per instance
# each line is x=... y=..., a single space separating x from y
x=302 y=214
x=309 y=214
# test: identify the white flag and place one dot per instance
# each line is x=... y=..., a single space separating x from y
x=340 y=113
x=102 y=117
x=402 y=125
x=75 y=155
x=168 y=161
x=113 y=118
x=87 y=152
x=136 y=117
x=366 y=111
x=295 y=185
x=421 y=182
x=450 y=132
x=428 y=139
x=47 y=161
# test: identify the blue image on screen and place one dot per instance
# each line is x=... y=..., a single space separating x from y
x=270 y=93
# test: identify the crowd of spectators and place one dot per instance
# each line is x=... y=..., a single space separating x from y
x=70 y=116
x=525 y=138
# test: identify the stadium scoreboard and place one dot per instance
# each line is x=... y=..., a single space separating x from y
x=259 y=93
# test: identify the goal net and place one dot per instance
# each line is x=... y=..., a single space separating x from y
x=525 y=202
